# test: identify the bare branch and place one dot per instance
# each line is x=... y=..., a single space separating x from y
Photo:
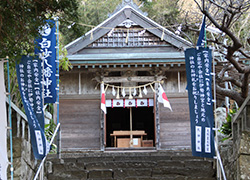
x=244 y=53
x=231 y=94
x=232 y=80
x=224 y=69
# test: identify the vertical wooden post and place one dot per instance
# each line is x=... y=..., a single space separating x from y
x=179 y=81
x=131 y=128
x=157 y=120
x=80 y=83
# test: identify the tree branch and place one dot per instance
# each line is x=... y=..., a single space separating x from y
x=231 y=94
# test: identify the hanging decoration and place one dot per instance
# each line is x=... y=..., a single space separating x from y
x=140 y=94
x=123 y=92
x=113 y=91
x=130 y=95
x=116 y=90
x=145 y=91
x=134 y=94
x=152 y=88
x=118 y=96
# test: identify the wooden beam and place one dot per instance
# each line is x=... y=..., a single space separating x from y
x=132 y=79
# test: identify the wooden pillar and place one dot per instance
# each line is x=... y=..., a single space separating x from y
x=157 y=118
x=80 y=83
x=131 y=128
x=179 y=81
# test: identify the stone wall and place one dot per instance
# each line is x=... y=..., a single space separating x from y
x=24 y=163
x=235 y=152
x=23 y=160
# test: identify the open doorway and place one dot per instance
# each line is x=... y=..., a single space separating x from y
x=118 y=119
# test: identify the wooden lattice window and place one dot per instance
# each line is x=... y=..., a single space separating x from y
x=137 y=37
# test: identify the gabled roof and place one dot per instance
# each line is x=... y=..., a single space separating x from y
x=122 y=14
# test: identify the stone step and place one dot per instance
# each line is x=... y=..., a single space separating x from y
x=131 y=166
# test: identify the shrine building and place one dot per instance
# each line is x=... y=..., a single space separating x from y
x=131 y=55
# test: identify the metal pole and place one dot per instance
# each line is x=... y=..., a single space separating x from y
x=131 y=128
x=10 y=121
x=41 y=164
x=216 y=124
x=220 y=162
x=57 y=101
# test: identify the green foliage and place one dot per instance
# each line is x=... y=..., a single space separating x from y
x=226 y=127
x=49 y=131
x=164 y=12
x=91 y=12
x=20 y=19
x=64 y=61
x=50 y=128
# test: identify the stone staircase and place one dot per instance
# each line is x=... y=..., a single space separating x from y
x=157 y=165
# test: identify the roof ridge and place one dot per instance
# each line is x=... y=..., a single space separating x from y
x=127 y=3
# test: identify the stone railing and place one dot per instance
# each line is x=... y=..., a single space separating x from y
x=24 y=162
x=236 y=151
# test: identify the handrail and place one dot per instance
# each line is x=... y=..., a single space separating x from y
x=220 y=161
x=42 y=162
x=17 y=109
x=239 y=112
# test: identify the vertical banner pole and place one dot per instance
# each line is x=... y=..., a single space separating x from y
x=57 y=102
x=10 y=122
x=57 y=81
x=131 y=128
x=216 y=123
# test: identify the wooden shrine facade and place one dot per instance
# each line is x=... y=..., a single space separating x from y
x=126 y=50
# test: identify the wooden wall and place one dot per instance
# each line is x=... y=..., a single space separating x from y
x=175 y=125
x=80 y=111
x=80 y=124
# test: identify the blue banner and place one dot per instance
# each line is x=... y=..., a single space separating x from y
x=202 y=36
x=29 y=78
x=45 y=48
x=199 y=79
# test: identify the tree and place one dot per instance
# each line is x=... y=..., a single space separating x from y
x=91 y=13
x=20 y=19
x=232 y=19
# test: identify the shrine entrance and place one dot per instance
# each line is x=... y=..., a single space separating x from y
x=130 y=127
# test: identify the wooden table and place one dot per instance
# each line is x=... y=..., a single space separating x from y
x=116 y=134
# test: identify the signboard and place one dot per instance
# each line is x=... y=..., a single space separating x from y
x=46 y=50
x=198 y=69
x=129 y=103
x=29 y=78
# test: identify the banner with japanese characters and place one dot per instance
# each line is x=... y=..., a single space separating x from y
x=45 y=48
x=199 y=79
x=29 y=76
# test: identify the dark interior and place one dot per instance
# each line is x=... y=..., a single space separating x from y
x=119 y=119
